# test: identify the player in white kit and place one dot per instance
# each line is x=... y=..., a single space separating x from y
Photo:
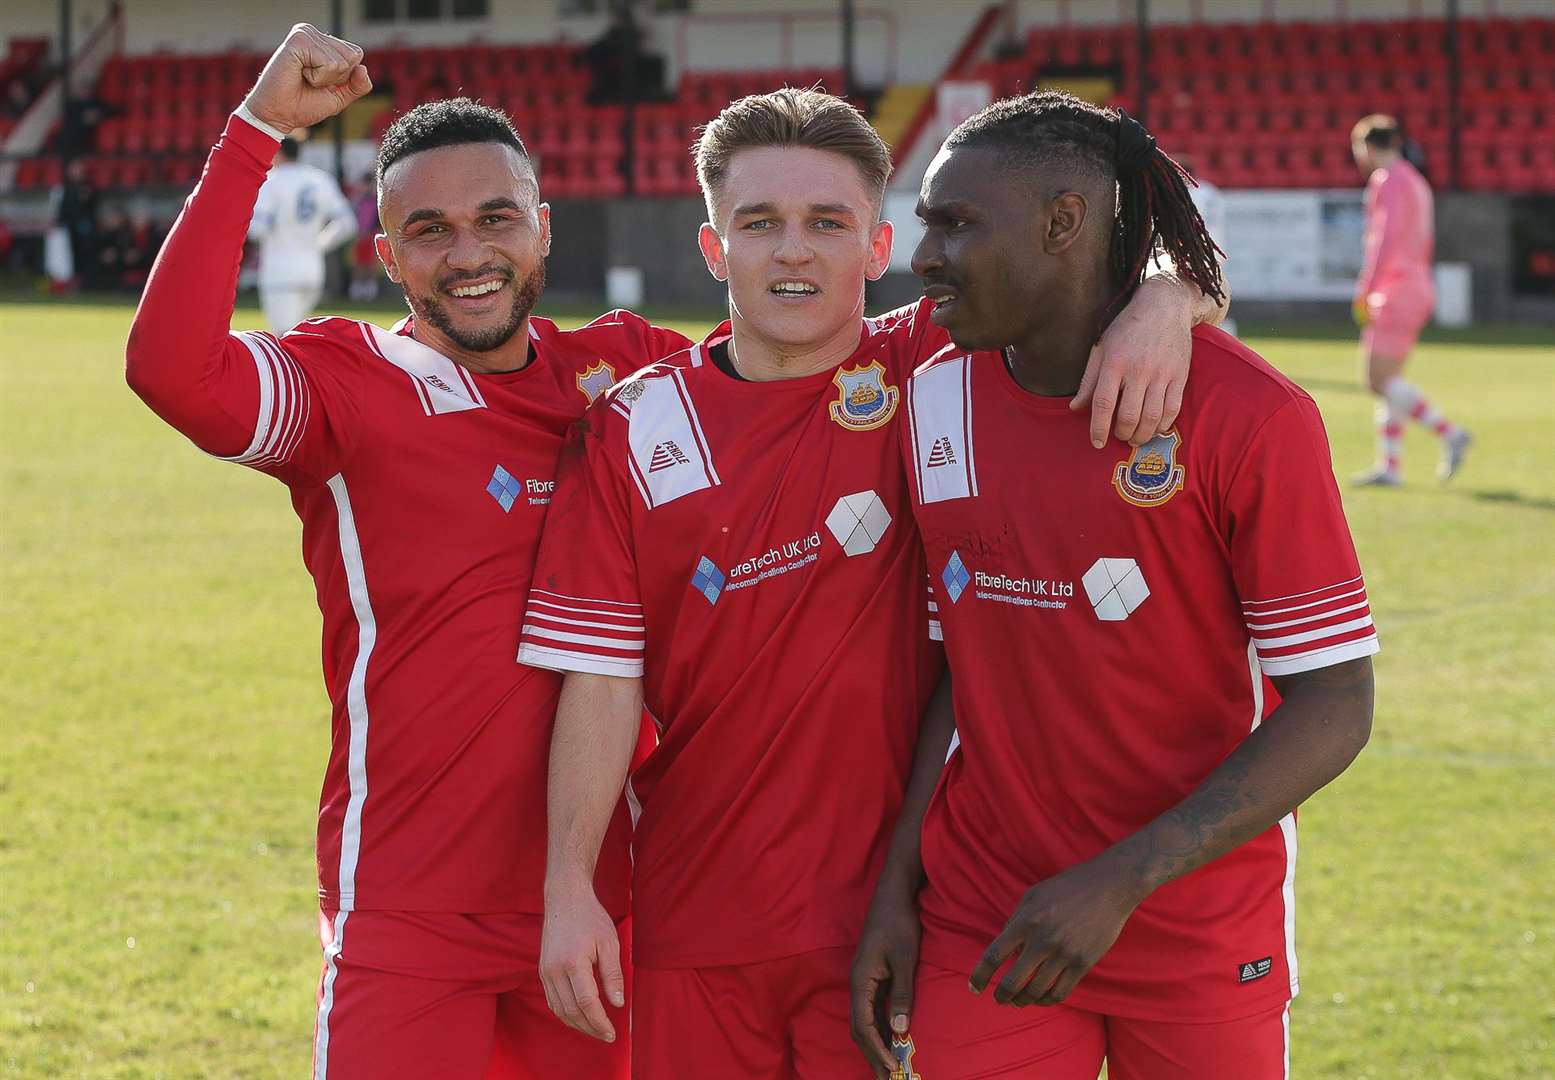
x=300 y=215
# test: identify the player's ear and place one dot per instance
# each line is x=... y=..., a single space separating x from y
x=712 y=246
x=881 y=236
x=544 y=212
x=386 y=256
x=1065 y=217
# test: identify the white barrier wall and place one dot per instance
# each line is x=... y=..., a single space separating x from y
x=1293 y=245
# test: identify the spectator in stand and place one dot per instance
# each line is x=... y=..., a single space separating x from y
x=365 y=273
x=106 y=269
x=75 y=213
x=17 y=99
x=142 y=241
x=617 y=53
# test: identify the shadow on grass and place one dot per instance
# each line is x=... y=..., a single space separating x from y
x=1510 y=498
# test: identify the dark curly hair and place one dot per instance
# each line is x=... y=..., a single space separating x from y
x=450 y=122
x=1051 y=127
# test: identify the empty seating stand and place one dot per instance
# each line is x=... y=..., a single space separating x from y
x=1272 y=104
x=165 y=110
x=1254 y=104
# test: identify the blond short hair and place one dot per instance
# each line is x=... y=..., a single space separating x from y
x=790 y=117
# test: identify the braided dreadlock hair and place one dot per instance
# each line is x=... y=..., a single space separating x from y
x=1153 y=205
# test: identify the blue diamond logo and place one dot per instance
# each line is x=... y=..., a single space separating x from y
x=708 y=580
x=955 y=577
x=504 y=488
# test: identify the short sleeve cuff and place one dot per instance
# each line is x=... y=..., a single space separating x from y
x=565 y=660
x=242 y=113
x=1321 y=658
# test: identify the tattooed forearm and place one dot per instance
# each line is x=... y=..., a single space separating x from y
x=1323 y=721
x=1195 y=831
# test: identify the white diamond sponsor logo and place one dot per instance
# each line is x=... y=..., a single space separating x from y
x=859 y=522
x=1116 y=588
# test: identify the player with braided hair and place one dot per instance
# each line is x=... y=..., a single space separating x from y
x=1156 y=653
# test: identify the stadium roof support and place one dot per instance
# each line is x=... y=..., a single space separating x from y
x=67 y=134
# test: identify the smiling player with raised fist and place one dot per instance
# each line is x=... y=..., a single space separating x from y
x=420 y=461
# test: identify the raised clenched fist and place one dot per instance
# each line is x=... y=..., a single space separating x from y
x=310 y=78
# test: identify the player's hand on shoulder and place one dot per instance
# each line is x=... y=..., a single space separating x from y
x=1059 y=930
x=882 y=980
x=579 y=936
x=1136 y=374
x=309 y=79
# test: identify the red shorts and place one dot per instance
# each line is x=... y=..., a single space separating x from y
x=424 y=994
x=956 y=1034
x=784 y=1019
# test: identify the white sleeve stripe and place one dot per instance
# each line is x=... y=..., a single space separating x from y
x=283 y=395
x=1318 y=658
x=936 y=633
x=549 y=618
x=966 y=404
x=1301 y=595
x=1312 y=635
x=598 y=613
x=696 y=426
x=562 y=660
x=623 y=644
x=1329 y=614
x=590 y=600
x=266 y=399
x=635 y=473
x=287 y=431
x=1251 y=612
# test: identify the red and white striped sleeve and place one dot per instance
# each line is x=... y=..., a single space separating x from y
x=283 y=407
x=1312 y=629
x=247 y=397
x=579 y=633
x=584 y=611
x=1302 y=593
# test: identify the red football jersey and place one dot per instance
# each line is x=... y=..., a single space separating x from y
x=422 y=488
x=1109 y=619
x=746 y=548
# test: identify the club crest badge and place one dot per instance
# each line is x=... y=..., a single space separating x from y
x=1151 y=475
x=903 y=1049
x=864 y=401
x=596 y=379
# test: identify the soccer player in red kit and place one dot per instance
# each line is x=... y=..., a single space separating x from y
x=421 y=462
x=1156 y=654
x=731 y=543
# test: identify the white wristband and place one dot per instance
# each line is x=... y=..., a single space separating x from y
x=242 y=113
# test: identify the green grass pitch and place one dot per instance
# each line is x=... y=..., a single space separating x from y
x=163 y=732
